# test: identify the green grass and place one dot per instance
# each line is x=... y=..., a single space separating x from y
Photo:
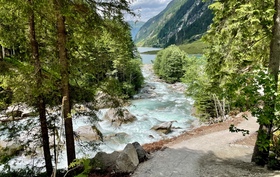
x=153 y=52
x=196 y=47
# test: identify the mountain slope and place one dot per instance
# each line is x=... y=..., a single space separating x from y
x=135 y=27
x=180 y=21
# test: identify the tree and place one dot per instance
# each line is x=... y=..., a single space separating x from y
x=169 y=64
x=94 y=52
x=262 y=146
x=238 y=73
x=64 y=72
x=41 y=105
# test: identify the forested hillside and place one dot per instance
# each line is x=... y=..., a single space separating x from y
x=181 y=21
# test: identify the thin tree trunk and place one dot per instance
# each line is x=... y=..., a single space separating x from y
x=216 y=106
x=3 y=52
x=64 y=69
x=40 y=98
x=260 y=155
x=13 y=51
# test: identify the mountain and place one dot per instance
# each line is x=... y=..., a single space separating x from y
x=135 y=27
x=180 y=22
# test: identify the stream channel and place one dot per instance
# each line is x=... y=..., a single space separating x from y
x=157 y=102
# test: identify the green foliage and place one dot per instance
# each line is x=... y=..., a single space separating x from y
x=237 y=45
x=198 y=83
x=169 y=64
x=239 y=56
x=99 y=48
x=85 y=163
x=196 y=47
x=233 y=128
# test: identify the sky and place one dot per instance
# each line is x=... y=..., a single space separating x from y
x=147 y=8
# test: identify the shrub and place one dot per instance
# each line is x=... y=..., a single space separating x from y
x=169 y=63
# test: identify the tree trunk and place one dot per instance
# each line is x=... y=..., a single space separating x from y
x=3 y=52
x=40 y=98
x=64 y=69
x=260 y=155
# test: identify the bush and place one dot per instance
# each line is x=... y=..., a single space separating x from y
x=169 y=64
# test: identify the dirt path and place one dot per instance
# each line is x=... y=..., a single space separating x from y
x=213 y=154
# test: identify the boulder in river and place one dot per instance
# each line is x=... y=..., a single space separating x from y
x=89 y=133
x=104 y=100
x=117 y=138
x=164 y=127
x=119 y=115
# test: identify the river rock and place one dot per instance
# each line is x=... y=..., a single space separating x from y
x=119 y=115
x=128 y=160
x=148 y=91
x=141 y=153
x=104 y=100
x=180 y=87
x=125 y=161
x=105 y=162
x=19 y=111
x=89 y=133
x=164 y=127
x=81 y=108
x=117 y=138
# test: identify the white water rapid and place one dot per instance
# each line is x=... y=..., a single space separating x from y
x=157 y=102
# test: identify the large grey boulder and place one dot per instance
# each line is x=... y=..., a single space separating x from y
x=105 y=162
x=89 y=133
x=118 y=116
x=141 y=153
x=127 y=161
x=164 y=127
x=104 y=100
x=117 y=138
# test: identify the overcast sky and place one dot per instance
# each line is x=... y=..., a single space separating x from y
x=147 y=8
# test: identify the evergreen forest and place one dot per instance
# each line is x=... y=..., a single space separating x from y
x=57 y=56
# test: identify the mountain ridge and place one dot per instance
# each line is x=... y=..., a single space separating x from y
x=180 y=22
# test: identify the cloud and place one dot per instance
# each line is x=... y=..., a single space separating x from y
x=148 y=8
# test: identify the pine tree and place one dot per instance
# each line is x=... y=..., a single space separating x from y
x=41 y=105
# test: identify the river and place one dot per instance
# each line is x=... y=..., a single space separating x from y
x=147 y=59
x=157 y=102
